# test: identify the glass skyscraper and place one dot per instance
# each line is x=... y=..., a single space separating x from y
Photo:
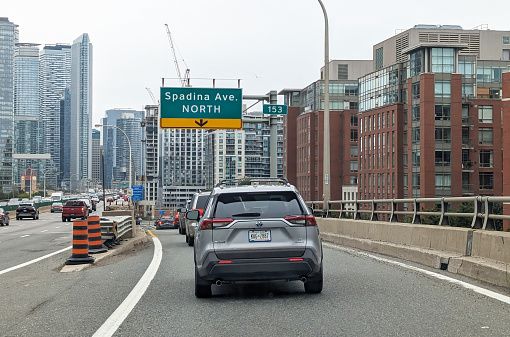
x=8 y=40
x=55 y=77
x=81 y=108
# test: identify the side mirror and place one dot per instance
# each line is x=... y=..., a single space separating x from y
x=193 y=215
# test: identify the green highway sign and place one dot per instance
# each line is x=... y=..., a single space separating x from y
x=201 y=108
x=274 y=109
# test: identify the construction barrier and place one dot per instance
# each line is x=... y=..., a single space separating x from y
x=94 y=238
x=80 y=250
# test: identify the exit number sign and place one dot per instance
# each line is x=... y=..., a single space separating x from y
x=274 y=109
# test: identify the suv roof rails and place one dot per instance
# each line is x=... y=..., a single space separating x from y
x=252 y=181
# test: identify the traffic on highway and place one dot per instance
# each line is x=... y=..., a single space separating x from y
x=149 y=289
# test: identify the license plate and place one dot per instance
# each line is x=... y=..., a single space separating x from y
x=24 y=211
x=259 y=235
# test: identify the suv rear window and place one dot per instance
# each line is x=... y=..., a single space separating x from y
x=263 y=204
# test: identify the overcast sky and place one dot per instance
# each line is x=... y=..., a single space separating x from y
x=268 y=44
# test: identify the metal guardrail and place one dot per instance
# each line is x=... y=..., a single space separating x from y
x=482 y=216
x=112 y=224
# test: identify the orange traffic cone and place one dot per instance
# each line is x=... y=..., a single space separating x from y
x=95 y=241
x=80 y=244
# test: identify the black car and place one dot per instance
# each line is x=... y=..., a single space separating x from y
x=4 y=217
x=167 y=222
x=27 y=210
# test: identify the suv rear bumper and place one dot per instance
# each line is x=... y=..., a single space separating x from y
x=265 y=269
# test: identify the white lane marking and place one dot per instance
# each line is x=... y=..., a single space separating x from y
x=33 y=261
x=119 y=315
x=24 y=236
x=57 y=227
x=44 y=231
x=476 y=289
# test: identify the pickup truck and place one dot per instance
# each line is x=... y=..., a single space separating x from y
x=27 y=210
x=74 y=209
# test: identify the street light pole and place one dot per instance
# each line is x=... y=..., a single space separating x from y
x=130 y=152
x=326 y=187
x=44 y=177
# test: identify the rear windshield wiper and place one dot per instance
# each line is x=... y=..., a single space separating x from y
x=246 y=214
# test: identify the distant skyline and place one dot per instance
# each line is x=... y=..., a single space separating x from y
x=268 y=44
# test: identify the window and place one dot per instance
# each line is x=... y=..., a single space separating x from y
x=443 y=135
x=354 y=120
x=486 y=158
x=442 y=112
x=343 y=71
x=485 y=136
x=354 y=135
x=416 y=90
x=415 y=135
x=443 y=158
x=415 y=66
x=415 y=113
x=442 y=60
x=486 y=180
x=416 y=179
x=443 y=180
x=416 y=158
x=442 y=89
x=354 y=166
x=354 y=150
x=485 y=113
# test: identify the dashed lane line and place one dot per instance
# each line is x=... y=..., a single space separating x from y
x=33 y=261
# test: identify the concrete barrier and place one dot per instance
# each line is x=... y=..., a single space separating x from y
x=479 y=254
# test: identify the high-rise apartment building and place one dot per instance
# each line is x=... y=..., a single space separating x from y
x=81 y=108
x=109 y=142
x=54 y=79
x=28 y=126
x=304 y=131
x=232 y=154
x=8 y=40
x=430 y=114
x=151 y=167
x=96 y=157
x=130 y=147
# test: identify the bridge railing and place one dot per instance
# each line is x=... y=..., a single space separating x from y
x=483 y=215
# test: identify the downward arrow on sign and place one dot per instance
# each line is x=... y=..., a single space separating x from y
x=201 y=123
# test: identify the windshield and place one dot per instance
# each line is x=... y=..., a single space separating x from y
x=265 y=205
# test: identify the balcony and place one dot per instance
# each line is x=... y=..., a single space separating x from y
x=467 y=166
x=467 y=190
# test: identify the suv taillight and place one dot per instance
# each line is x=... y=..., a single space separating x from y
x=307 y=220
x=209 y=223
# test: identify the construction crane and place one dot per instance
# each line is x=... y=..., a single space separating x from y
x=152 y=96
x=184 y=81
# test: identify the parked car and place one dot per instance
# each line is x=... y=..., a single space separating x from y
x=166 y=222
x=4 y=217
x=27 y=210
x=197 y=202
x=56 y=207
x=261 y=232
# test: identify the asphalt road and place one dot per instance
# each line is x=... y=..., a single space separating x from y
x=362 y=296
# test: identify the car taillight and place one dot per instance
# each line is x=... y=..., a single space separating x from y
x=302 y=220
x=83 y=209
x=161 y=222
x=210 y=223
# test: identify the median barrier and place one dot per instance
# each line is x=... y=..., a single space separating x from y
x=479 y=254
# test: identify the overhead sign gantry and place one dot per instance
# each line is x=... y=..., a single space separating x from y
x=201 y=108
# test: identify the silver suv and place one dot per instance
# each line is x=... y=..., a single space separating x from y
x=197 y=203
x=258 y=230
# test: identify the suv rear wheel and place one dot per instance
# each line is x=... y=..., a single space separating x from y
x=314 y=284
x=202 y=287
